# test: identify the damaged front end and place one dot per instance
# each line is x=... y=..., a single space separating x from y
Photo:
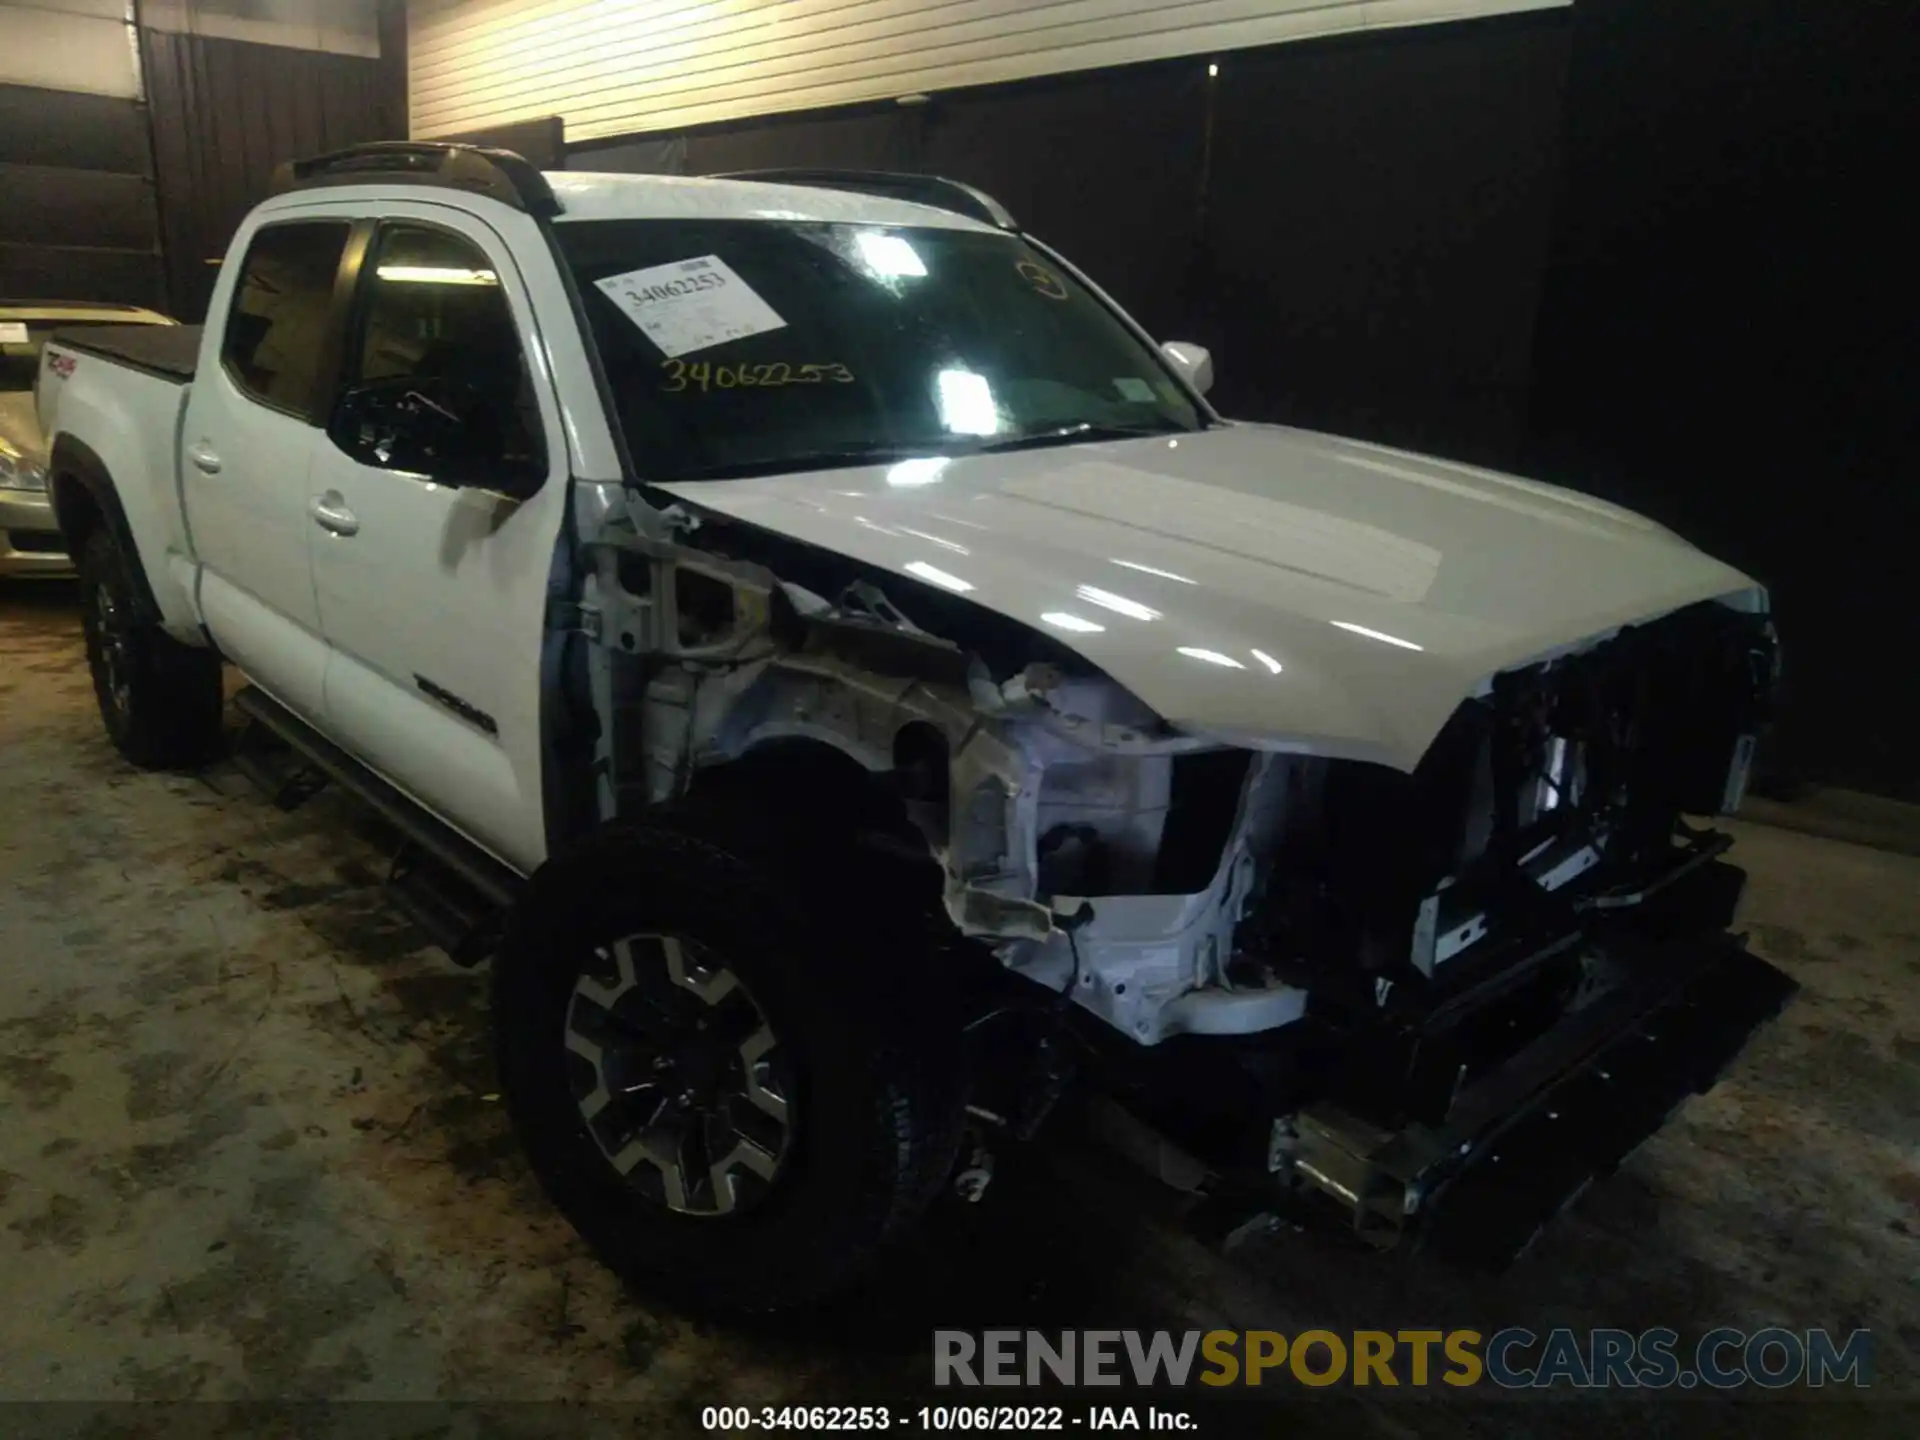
x=1035 y=791
x=1335 y=987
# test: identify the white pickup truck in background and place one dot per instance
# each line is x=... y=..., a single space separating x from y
x=855 y=688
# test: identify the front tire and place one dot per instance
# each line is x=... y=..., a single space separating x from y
x=835 y=1073
x=161 y=701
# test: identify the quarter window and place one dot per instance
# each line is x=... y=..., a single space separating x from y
x=277 y=323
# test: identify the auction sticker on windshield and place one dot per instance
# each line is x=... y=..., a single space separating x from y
x=691 y=305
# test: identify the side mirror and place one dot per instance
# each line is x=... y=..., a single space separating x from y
x=396 y=425
x=1192 y=361
x=433 y=427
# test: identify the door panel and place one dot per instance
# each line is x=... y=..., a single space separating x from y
x=433 y=610
x=432 y=595
x=247 y=444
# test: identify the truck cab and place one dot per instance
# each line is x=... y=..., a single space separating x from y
x=321 y=559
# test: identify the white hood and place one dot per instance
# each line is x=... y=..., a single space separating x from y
x=1264 y=585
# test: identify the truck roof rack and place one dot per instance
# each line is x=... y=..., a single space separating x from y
x=934 y=190
x=498 y=174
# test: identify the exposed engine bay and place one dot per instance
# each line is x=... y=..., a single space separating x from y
x=1382 y=946
x=1214 y=888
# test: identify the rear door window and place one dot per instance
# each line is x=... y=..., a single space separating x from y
x=277 y=324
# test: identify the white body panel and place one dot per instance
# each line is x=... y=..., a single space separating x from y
x=131 y=420
x=245 y=518
x=445 y=585
x=443 y=582
x=1267 y=586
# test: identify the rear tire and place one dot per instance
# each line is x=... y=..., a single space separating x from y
x=866 y=1065
x=161 y=701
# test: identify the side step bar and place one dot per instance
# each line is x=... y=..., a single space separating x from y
x=460 y=922
x=450 y=887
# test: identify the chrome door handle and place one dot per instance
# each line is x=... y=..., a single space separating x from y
x=203 y=458
x=330 y=512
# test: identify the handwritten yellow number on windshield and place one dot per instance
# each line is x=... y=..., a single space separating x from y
x=772 y=375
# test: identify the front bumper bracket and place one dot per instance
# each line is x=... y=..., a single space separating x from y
x=1524 y=1140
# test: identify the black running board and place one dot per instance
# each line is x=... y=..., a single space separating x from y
x=280 y=772
x=450 y=887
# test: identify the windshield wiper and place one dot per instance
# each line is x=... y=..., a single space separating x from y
x=954 y=446
x=1084 y=430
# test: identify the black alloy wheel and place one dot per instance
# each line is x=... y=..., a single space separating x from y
x=678 y=1075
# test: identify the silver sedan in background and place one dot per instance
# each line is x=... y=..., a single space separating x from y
x=30 y=543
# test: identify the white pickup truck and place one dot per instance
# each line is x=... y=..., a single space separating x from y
x=856 y=690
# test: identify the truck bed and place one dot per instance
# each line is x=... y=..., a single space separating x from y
x=168 y=351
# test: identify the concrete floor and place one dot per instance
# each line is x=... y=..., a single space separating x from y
x=252 y=1151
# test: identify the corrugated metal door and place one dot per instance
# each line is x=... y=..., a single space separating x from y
x=72 y=45
x=77 y=218
x=619 y=67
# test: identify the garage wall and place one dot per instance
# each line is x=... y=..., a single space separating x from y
x=70 y=45
x=129 y=151
x=238 y=86
x=612 y=67
x=1356 y=226
x=1378 y=216
x=1651 y=251
x=1727 y=340
x=77 y=214
x=339 y=27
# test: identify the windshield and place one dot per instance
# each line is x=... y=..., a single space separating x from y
x=747 y=347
